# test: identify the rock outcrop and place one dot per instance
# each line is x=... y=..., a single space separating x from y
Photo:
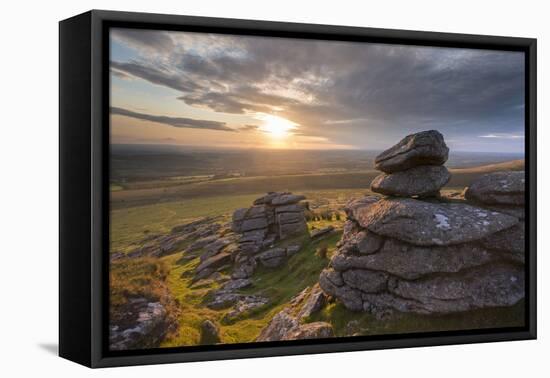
x=503 y=192
x=209 y=333
x=413 y=167
x=273 y=217
x=140 y=324
x=288 y=324
x=430 y=256
x=499 y=188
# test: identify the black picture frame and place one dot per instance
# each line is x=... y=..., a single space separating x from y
x=84 y=191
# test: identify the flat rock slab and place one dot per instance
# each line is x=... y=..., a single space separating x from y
x=237 y=284
x=287 y=230
x=487 y=286
x=287 y=199
x=424 y=148
x=411 y=262
x=422 y=181
x=321 y=232
x=426 y=224
x=498 y=188
x=214 y=262
x=273 y=258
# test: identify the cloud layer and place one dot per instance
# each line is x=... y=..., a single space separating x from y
x=173 y=121
x=335 y=90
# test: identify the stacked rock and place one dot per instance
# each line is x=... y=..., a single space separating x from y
x=273 y=217
x=425 y=257
x=413 y=167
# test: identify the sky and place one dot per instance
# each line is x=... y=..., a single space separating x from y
x=231 y=91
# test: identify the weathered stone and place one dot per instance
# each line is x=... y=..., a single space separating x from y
x=143 y=324
x=297 y=299
x=498 y=188
x=423 y=148
x=269 y=241
x=244 y=307
x=278 y=327
x=290 y=218
x=255 y=236
x=421 y=181
x=365 y=280
x=292 y=208
x=249 y=248
x=223 y=299
x=239 y=214
x=273 y=258
x=515 y=211
x=244 y=268
x=200 y=243
x=410 y=262
x=511 y=240
x=253 y=224
x=425 y=223
x=210 y=333
x=200 y=275
x=288 y=230
x=380 y=303
x=267 y=198
x=284 y=326
x=321 y=232
x=491 y=285
x=214 y=262
x=256 y=211
x=487 y=286
x=315 y=330
x=353 y=207
x=286 y=199
x=237 y=284
x=314 y=302
x=214 y=248
x=367 y=242
x=350 y=297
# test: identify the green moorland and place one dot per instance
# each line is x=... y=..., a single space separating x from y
x=148 y=277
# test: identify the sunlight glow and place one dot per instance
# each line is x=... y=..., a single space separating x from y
x=276 y=127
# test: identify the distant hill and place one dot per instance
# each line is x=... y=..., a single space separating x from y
x=513 y=165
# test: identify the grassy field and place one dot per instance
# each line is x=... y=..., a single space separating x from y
x=130 y=225
x=139 y=194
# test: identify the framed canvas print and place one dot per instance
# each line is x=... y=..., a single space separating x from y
x=234 y=188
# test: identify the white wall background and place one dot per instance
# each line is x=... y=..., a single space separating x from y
x=29 y=186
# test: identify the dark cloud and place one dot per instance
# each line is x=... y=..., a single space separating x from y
x=148 y=40
x=173 y=121
x=249 y=128
x=338 y=89
x=156 y=76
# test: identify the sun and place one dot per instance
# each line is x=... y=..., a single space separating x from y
x=277 y=127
